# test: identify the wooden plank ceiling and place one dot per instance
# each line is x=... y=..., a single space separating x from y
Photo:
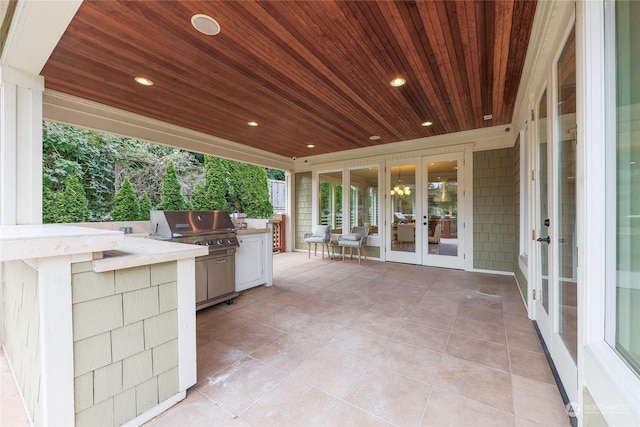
x=308 y=72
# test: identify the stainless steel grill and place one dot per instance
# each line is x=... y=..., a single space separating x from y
x=215 y=273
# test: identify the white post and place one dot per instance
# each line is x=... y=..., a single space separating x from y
x=56 y=341
x=20 y=147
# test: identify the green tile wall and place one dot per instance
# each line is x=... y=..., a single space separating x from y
x=494 y=218
x=125 y=333
x=303 y=208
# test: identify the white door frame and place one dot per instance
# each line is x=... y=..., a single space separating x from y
x=436 y=260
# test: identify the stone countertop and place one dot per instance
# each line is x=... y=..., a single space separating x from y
x=50 y=240
x=252 y=231
x=138 y=251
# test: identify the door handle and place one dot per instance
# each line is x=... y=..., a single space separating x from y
x=544 y=239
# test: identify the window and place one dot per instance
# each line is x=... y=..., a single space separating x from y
x=331 y=200
x=623 y=171
x=364 y=199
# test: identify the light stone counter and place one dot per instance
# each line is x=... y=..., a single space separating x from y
x=137 y=251
x=50 y=240
x=97 y=325
x=252 y=231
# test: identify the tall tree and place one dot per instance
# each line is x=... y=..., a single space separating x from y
x=215 y=176
x=125 y=204
x=145 y=207
x=70 y=205
x=249 y=191
x=172 y=198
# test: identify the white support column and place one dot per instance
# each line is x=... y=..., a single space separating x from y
x=56 y=341
x=20 y=147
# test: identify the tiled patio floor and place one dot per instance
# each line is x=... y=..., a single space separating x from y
x=342 y=344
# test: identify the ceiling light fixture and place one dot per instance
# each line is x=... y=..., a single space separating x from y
x=254 y=124
x=397 y=189
x=425 y=124
x=397 y=82
x=310 y=146
x=374 y=137
x=143 y=81
x=205 y=24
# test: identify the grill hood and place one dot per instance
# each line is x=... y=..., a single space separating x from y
x=174 y=224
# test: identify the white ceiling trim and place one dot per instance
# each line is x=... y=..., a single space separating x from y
x=36 y=29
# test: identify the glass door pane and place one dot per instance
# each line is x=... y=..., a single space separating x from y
x=364 y=199
x=566 y=199
x=543 y=203
x=402 y=214
x=442 y=202
x=442 y=220
x=623 y=304
x=331 y=200
x=403 y=208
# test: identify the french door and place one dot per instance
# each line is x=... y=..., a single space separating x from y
x=556 y=286
x=403 y=184
x=426 y=200
x=442 y=207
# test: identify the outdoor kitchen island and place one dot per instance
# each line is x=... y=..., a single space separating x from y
x=99 y=328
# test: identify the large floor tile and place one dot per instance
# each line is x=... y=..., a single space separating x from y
x=348 y=415
x=487 y=330
x=485 y=385
x=531 y=365
x=239 y=386
x=251 y=337
x=331 y=371
x=287 y=352
x=292 y=403
x=416 y=363
x=478 y=351
x=422 y=336
x=378 y=324
x=530 y=396
x=356 y=343
x=214 y=356
x=195 y=410
x=449 y=409
x=427 y=316
x=390 y=396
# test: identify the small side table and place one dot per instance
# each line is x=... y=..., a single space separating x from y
x=333 y=243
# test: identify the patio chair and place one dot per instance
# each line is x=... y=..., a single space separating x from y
x=321 y=235
x=356 y=239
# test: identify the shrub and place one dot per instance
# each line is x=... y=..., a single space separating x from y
x=125 y=205
x=172 y=198
x=145 y=207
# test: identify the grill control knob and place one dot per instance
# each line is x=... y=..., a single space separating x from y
x=220 y=241
x=231 y=240
x=209 y=242
x=197 y=242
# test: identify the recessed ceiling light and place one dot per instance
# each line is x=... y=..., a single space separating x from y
x=425 y=124
x=144 y=81
x=488 y=117
x=397 y=82
x=254 y=124
x=310 y=145
x=205 y=24
x=374 y=137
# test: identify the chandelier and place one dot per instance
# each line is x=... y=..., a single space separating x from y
x=399 y=189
